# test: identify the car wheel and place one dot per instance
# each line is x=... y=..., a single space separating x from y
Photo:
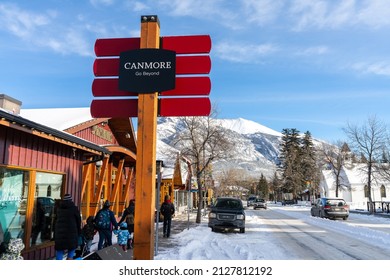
x=213 y=229
x=345 y=218
x=242 y=230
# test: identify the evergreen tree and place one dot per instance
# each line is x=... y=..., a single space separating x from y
x=290 y=158
x=262 y=188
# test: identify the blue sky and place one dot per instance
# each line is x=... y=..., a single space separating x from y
x=306 y=64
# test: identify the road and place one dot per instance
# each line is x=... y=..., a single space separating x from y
x=309 y=238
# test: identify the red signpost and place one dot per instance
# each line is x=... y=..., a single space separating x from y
x=184 y=86
x=194 y=44
x=106 y=69
x=184 y=96
x=185 y=65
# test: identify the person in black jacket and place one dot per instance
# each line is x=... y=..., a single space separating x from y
x=128 y=217
x=167 y=210
x=67 y=228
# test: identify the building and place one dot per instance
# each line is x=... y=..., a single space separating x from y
x=93 y=160
x=354 y=188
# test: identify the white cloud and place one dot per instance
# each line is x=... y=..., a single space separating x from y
x=21 y=23
x=317 y=50
x=324 y=14
x=97 y=3
x=244 y=53
x=379 y=68
x=40 y=29
x=375 y=13
x=261 y=12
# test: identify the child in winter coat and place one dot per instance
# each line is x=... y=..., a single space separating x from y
x=88 y=232
x=123 y=235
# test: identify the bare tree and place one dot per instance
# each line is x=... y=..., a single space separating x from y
x=335 y=157
x=203 y=141
x=368 y=140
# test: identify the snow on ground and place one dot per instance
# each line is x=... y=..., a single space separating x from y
x=258 y=243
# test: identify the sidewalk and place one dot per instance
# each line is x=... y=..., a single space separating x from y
x=180 y=222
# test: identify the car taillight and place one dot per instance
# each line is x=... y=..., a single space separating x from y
x=346 y=207
x=327 y=207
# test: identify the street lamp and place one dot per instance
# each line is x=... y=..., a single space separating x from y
x=159 y=169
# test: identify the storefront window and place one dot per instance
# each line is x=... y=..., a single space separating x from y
x=47 y=192
x=13 y=198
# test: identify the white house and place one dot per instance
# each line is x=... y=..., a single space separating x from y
x=354 y=187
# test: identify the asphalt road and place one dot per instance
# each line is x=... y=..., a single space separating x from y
x=306 y=241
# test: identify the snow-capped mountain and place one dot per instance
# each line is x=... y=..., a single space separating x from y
x=256 y=146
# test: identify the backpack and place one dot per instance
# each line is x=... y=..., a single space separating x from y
x=102 y=220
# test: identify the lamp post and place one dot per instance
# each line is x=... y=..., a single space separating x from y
x=159 y=168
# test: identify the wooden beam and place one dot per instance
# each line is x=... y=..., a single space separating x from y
x=146 y=156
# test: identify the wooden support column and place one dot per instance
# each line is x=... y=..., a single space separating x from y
x=146 y=154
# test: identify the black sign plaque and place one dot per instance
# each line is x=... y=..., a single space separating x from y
x=147 y=70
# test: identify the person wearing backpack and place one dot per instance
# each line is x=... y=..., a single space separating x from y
x=167 y=210
x=104 y=222
x=128 y=216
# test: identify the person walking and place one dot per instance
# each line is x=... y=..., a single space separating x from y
x=105 y=222
x=88 y=233
x=67 y=228
x=128 y=216
x=123 y=235
x=167 y=210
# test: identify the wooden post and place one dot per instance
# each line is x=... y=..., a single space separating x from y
x=146 y=154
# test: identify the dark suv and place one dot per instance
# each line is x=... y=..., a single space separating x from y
x=227 y=213
x=330 y=208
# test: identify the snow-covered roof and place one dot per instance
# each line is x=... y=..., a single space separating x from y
x=58 y=118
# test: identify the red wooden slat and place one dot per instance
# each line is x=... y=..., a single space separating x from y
x=184 y=86
x=191 y=44
x=180 y=107
x=190 y=86
x=114 y=108
x=185 y=65
x=114 y=46
x=109 y=87
x=187 y=44
x=106 y=67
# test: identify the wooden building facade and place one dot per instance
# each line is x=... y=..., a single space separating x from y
x=93 y=161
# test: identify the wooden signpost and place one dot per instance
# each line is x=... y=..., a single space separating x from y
x=184 y=96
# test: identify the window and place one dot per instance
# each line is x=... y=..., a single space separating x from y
x=13 y=198
x=14 y=211
x=383 y=191
x=366 y=194
x=47 y=191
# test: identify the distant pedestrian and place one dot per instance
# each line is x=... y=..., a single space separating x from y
x=105 y=222
x=67 y=228
x=128 y=216
x=123 y=236
x=167 y=210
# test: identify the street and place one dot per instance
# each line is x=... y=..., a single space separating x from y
x=285 y=233
x=316 y=241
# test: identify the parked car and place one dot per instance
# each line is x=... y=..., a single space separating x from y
x=250 y=201
x=259 y=203
x=330 y=208
x=227 y=213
